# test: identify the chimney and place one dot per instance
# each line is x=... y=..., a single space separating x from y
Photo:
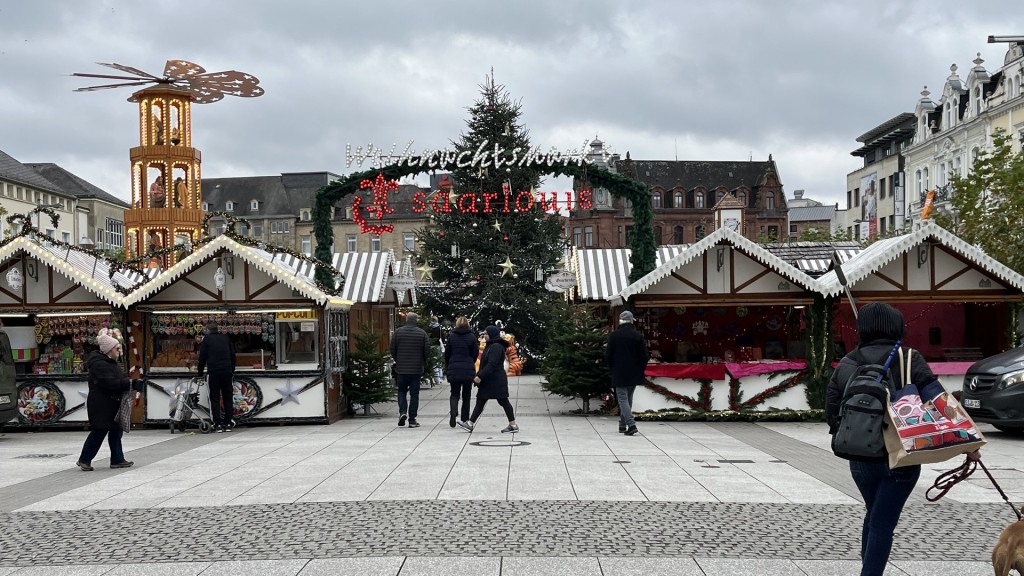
x=798 y=194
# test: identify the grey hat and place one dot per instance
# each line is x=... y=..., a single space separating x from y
x=626 y=316
x=212 y=328
x=411 y=318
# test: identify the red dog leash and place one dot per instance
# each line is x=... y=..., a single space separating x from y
x=948 y=479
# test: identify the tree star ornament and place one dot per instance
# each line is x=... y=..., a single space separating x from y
x=496 y=226
x=507 y=266
x=426 y=271
x=290 y=393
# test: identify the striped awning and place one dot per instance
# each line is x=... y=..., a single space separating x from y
x=366 y=275
x=818 y=266
x=603 y=272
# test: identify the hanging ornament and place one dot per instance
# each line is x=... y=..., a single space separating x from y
x=506 y=266
x=474 y=224
x=426 y=271
x=496 y=226
x=505 y=238
x=441 y=233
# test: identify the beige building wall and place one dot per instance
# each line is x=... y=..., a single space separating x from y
x=20 y=199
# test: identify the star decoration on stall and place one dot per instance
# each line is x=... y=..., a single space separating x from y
x=290 y=393
x=84 y=393
x=426 y=271
x=507 y=266
x=173 y=390
x=496 y=226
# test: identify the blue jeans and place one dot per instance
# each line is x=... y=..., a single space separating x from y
x=885 y=492
x=95 y=439
x=409 y=384
x=624 y=396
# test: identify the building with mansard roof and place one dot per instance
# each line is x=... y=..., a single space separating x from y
x=684 y=195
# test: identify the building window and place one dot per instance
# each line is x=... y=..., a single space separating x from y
x=350 y=243
x=115 y=233
x=881 y=226
x=769 y=200
x=677 y=199
x=206 y=206
x=699 y=200
x=229 y=206
x=618 y=236
x=656 y=199
x=307 y=246
x=577 y=236
x=856 y=197
x=409 y=241
x=881 y=188
x=304 y=215
x=699 y=232
x=257 y=230
x=742 y=196
x=677 y=235
x=65 y=237
x=374 y=243
x=588 y=236
x=628 y=204
x=254 y=205
x=657 y=235
x=792 y=228
x=918 y=181
x=924 y=173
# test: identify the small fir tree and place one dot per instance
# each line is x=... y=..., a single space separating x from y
x=367 y=380
x=574 y=366
x=483 y=249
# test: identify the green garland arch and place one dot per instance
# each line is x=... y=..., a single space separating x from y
x=642 y=242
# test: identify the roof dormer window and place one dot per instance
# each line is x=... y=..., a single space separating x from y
x=229 y=206
x=254 y=205
x=304 y=215
x=206 y=206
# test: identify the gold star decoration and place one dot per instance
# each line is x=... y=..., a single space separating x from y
x=453 y=198
x=496 y=226
x=426 y=271
x=507 y=265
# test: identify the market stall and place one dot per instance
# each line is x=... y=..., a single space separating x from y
x=726 y=320
x=287 y=331
x=54 y=298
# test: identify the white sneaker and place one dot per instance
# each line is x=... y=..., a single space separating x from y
x=467 y=426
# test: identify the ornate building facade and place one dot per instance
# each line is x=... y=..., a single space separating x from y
x=685 y=195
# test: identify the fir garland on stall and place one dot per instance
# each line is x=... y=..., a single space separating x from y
x=702 y=403
x=818 y=319
x=736 y=395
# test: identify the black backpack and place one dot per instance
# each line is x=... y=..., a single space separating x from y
x=862 y=410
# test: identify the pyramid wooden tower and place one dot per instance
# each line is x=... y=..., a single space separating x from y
x=167 y=201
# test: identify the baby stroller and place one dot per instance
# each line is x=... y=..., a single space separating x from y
x=185 y=407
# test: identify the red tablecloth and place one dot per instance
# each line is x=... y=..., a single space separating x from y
x=741 y=369
x=697 y=371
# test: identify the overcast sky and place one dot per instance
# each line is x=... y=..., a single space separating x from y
x=708 y=80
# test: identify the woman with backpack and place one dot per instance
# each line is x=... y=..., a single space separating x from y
x=885 y=490
x=460 y=356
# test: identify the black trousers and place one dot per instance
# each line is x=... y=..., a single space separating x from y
x=465 y=390
x=503 y=402
x=221 y=393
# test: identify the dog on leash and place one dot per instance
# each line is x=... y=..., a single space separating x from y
x=1009 y=552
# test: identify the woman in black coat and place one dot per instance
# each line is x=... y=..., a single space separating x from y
x=492 y=381
x=107 y=383
x=460 y=356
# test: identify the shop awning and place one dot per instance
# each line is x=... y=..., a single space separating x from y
x=604 y=272
x=366 y=273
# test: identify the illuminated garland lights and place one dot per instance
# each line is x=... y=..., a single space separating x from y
x=332 y=288
x=642 y=244
x=28 y=230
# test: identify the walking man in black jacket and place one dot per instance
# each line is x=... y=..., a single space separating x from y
x=217 y=352
x=410 y=348
x=627 y=358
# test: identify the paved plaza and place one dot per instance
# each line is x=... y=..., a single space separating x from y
x=567 y=495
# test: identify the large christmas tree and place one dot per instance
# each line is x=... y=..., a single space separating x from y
x=480 y=257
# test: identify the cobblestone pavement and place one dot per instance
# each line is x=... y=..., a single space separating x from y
x=474 y=528
x=567 y=496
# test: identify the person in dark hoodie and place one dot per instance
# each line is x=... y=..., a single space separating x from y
x=217 y=354
x=460 y=355
x=492 y=382
x=627 y=357
x=885 y=490
x=107 y=383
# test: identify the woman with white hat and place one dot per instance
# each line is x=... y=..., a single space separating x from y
x=107 y=383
